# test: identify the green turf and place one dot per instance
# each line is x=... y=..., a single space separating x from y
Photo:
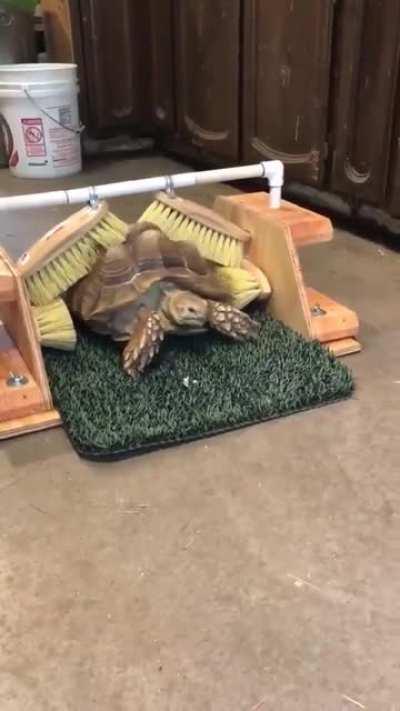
x=198 y=386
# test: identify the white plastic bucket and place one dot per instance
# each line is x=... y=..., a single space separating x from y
x=39 y=119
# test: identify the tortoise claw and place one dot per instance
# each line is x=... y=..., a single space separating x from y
x=232 y=322
x=143 y=346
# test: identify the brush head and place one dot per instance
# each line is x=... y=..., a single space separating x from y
x=68 y=252
x=55 y=326
x=243 y=284
x=217 y=239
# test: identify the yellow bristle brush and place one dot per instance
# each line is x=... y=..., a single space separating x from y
x=244 y=284
x=68 y=252
x=54 y=325
x=217 y=239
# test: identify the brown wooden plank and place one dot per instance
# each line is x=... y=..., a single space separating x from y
x=287 y=49
x=366 y=66
x=207 y=43
x=273 y=251
x=29 y=424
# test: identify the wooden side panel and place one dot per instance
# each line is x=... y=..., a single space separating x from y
x=272 y=250
x=58 y=30
x=287 y=48
x=18 y=320
x=366 y=69
x=21 y=401
x=207 y=41
x=117 y=55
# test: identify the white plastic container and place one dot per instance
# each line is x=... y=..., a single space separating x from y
x=39 y=110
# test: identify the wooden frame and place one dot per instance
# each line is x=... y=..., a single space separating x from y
x=276 y=236
x=27 y=407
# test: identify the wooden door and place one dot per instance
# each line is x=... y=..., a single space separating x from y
x=161 y=75
x=207 y=42
x=287 y=48
x=117 y=56
x=366 y=62
x=393 y=197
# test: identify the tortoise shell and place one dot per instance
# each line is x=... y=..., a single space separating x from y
x=133 y=276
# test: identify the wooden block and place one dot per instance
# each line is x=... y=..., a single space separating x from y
x=29 y=424
x=18 y=321
x=306 y=227
x=20 y=401
x=344 y=346
x=273 y=251
x=276 y=234
x=330 y=321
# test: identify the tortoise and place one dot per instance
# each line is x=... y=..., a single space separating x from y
x=149 y=286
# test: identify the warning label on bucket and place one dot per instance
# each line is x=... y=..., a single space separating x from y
x=34 y=137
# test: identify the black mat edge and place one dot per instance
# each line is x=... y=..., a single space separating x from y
x=120 y=455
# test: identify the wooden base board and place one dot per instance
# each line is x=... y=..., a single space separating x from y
x=31 y=423
x=330 y=321
x=344 y=347
x=17 y=401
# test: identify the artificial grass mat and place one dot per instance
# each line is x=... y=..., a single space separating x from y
x=198 y=386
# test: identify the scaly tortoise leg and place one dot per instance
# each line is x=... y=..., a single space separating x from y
x=232 y=322
x=143 y=345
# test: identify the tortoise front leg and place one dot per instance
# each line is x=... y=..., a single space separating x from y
x=232 y=322
x=143 y=345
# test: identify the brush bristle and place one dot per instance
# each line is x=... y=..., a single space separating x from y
x=212 y=245
x=76 y=262
x=55 y=325
x=241 y=286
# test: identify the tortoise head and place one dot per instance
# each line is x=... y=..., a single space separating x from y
x=185 y=310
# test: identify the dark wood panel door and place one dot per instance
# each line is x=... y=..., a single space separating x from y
x=365 y=76
x=117 y=54
x=162 y=79
x=393 y=197
x=207 y=43
x=287 y=48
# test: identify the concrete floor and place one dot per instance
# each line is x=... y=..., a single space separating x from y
x=257 y=571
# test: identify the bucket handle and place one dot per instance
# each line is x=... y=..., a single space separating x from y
x=76 y=131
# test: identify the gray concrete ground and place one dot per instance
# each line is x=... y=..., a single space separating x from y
x=257 y=571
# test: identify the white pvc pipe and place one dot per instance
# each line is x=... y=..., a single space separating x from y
x=273 y=171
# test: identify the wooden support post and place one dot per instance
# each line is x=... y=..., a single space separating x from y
x=26 y=406
x=276 y=236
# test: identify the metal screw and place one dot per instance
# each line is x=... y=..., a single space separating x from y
x=317 y=311
x=15 y=380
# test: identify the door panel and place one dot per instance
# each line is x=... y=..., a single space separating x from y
x=162 y=80
x=393 y=199
x=207 y=74
x=117 y=59
x=365 y=77
x=286 y=81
